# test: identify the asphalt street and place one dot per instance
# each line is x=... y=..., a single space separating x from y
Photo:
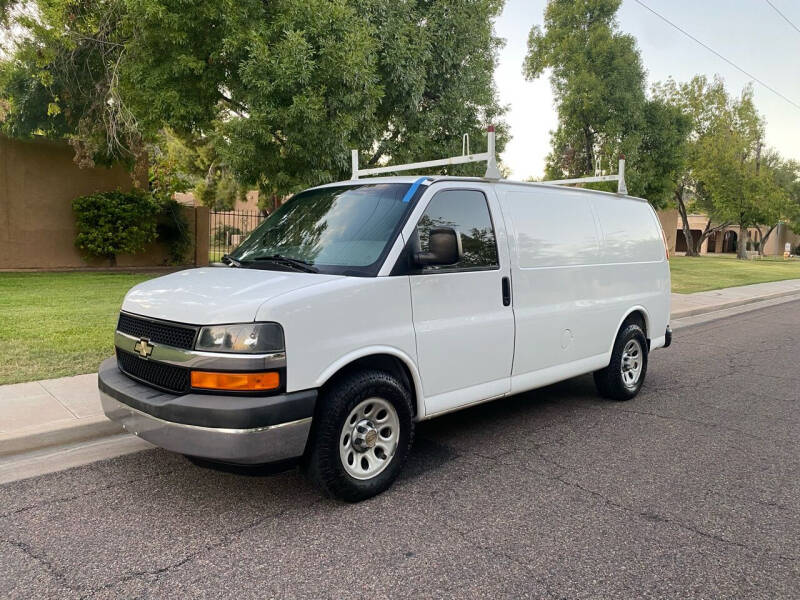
x=692 y=490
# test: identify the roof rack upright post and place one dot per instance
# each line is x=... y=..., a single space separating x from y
x=621 y=187
x=492 y=172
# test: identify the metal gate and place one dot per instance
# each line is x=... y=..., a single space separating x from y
x=227 y=229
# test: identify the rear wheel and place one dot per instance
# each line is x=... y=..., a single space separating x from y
x=362 y=434
x=623 y=377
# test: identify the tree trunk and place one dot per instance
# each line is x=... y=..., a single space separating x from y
x=141 y=166
x=741 y=246
x=764 y=238
x=708 y=231
x=703 y=236
x=687 y=233
x=588 y=136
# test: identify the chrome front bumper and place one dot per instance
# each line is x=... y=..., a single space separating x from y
x=243 y=446
x=266 y=443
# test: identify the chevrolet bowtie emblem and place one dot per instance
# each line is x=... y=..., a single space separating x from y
x=143 y=348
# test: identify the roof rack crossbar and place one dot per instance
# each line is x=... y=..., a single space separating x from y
x=492 y=172
x=619 y=178
x=489 y=157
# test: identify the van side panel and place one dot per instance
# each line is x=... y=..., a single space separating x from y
x=579 y=264
x=630 y=231
x=635 y=260
x=554 y=239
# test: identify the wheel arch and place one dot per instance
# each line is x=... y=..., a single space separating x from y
x=385 y=358
x=638 y=313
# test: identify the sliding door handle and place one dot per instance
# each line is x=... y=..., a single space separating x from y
x=506 y=291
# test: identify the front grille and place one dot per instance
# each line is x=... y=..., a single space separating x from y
x=160 y=375
x=178 y=336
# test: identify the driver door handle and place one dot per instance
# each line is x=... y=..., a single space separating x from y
x=506 y=285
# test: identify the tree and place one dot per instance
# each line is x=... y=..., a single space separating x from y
x=722 y=175
x=599 y=84
x=729 y=164
x=282 y=89
x=781 y=204
x=196 y=165
x=663 y=151
x=62 y=79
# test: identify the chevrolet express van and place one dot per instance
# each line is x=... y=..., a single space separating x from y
x=359 y=308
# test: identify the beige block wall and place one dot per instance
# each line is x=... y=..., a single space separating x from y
x=38 y=181
x=669 y=223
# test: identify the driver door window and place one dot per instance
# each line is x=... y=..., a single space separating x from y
x=465 y=211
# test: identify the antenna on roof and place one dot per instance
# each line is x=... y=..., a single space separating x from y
x=619 y=178
x=492 y=172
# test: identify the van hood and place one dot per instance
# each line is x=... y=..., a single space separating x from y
x=215 y=295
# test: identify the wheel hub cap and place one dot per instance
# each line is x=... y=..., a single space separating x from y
x=369 y=438
x=365 y=436
x=632 y=362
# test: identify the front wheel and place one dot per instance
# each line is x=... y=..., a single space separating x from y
x=363 y=431
x=623 y=377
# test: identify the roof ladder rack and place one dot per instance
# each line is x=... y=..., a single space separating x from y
x=492 y=172
x=490 y=158
x=619 y=178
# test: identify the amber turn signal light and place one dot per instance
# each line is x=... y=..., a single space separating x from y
x=239 y=382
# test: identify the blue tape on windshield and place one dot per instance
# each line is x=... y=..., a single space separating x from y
x=413 y=189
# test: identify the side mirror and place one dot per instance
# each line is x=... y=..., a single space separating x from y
x=444 y=245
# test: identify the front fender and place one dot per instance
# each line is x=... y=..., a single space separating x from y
x=342 y=362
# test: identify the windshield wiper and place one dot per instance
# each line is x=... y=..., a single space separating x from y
x=230 y=261
x=296 y=263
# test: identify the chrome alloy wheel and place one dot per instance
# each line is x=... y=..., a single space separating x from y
x=631 y=363
x=369 y=437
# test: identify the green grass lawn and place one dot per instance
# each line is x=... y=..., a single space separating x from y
x=57 y=324
x=703 y=273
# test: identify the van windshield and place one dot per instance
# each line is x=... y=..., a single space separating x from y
x=337 y=230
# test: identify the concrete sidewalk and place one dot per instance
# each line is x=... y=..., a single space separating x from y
x=685 y=305
x=63 y=411
x=53 y=412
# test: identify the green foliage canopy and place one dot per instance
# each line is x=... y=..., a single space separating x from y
x=599 y=82
x=282 y=89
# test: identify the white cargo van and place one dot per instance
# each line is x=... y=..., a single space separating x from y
x=361 y=307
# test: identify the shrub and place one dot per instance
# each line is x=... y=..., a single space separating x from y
x=113 y=223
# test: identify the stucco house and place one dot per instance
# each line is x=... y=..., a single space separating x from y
x=724 y=241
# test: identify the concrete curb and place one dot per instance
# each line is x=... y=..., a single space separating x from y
x=58 y=435
x=701 y=310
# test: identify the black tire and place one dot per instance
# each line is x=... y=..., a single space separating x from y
x=322 y=462
x=609 y=381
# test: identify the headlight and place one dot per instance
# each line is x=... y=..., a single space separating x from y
x=245 y=338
